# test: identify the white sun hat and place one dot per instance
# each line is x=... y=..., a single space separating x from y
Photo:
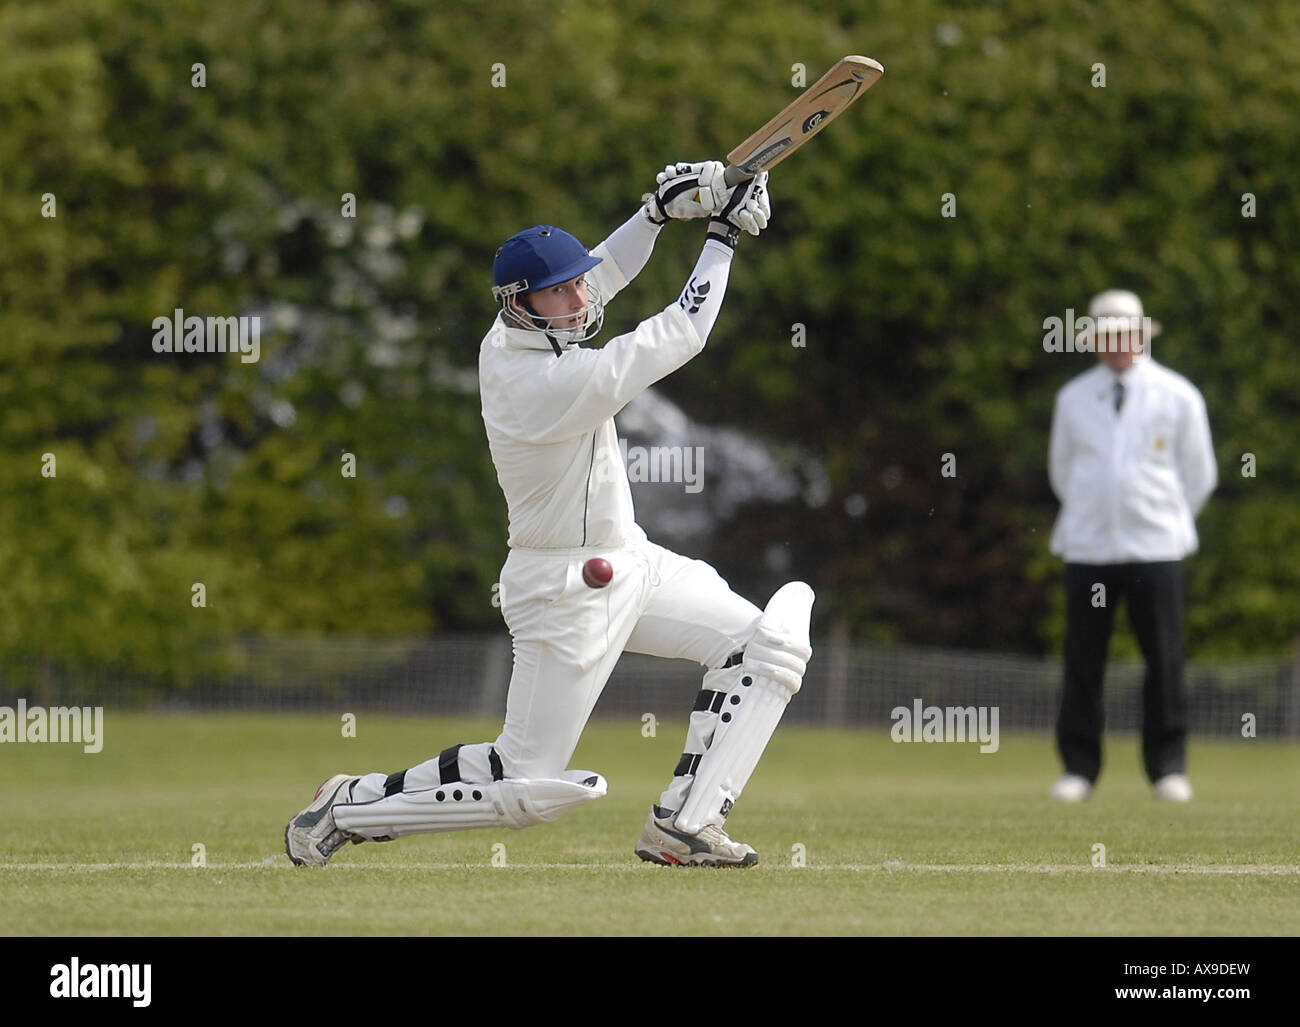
x=1118 y=311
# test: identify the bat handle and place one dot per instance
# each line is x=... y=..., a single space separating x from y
x=734 y=176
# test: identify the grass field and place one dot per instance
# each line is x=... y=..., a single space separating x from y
x=899 y=839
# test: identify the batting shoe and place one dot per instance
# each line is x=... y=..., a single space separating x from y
x=662 y=843
x=311 y=838
x=1174 y=788
x=1071 y=788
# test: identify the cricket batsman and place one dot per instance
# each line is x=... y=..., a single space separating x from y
x=548 y=408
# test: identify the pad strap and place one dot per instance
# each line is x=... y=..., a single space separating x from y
x=708 y=700
x=449 y=765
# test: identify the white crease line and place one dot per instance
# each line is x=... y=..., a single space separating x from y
x=282 y=863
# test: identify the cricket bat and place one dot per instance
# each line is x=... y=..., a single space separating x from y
x=814 y=109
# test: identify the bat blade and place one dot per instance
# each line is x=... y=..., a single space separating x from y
x=814 y=109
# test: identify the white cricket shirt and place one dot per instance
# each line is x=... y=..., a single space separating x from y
x=550 y=420
x=1132 y=482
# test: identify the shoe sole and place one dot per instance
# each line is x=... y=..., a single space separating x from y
x=289 y=826
x=665 y=859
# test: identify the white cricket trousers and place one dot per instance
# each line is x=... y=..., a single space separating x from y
x=567 y=638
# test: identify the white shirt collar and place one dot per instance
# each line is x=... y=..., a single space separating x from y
x=1131 y=374
x=521 y=338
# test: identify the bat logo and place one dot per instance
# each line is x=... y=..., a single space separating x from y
x=756 y=163
x=813 y=120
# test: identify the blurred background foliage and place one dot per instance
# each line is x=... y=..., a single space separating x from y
x=923 y=333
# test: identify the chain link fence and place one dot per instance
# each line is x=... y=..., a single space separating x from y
x=846 y=684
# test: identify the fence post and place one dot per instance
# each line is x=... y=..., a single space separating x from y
x=1293 y=693
x=44 y=690
x=837 y=674
x=497 y=663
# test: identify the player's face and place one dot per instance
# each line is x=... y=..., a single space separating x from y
x=1117 y=351
x=567 y=302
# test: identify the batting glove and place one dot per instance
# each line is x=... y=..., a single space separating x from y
x=747 y=209
x=685 y=191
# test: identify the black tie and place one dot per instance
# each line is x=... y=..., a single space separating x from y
x=1119 y=395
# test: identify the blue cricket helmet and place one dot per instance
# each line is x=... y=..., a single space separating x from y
x=538 y=258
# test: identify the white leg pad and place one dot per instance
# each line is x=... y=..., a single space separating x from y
x=512 y=802
x=773 y=668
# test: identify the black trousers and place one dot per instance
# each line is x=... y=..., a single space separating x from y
x=1153 y=594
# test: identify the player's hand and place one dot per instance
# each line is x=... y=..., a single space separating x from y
x=748 y=208
x=686 y=190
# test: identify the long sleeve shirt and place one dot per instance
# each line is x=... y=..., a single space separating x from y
x=1132 y=481
x=550 y=421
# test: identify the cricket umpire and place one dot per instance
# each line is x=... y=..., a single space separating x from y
x=1132 y=463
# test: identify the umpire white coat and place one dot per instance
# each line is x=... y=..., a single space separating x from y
x=1130 y=483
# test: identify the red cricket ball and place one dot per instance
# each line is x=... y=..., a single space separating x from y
x=597 y=572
